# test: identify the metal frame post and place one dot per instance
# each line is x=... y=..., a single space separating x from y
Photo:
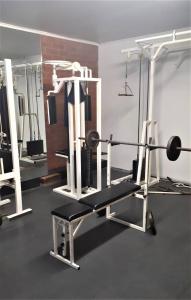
x=77 y=134
x=14 y=141
x=71 y=144
x=98 y=114
x=108 y=164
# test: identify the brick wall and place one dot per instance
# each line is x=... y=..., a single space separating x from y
x=86 y=55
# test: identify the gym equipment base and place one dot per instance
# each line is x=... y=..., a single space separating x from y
x=65 y=190
x=64 y=260
x=19 y=214
x=4 y=202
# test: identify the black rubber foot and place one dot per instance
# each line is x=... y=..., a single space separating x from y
x=101 y=213
x=1 y=220
x=151 y=223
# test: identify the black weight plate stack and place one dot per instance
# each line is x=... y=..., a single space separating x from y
x=172 y=152
x=92 y=138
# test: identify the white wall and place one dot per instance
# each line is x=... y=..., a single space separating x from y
x=172 y=104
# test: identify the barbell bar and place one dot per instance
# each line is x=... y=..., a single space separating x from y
x=173 y=148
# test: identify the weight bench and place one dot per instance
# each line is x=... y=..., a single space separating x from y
x=71 y=215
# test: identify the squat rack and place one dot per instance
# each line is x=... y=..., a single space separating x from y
x=152 y=47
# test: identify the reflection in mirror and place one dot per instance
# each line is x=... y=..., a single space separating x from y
x=24 y=50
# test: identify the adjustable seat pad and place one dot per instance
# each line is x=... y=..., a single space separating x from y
x=109 y=195
x=71 y=211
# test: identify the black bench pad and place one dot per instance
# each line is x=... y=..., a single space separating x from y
x=109 y=195
x=71 y=211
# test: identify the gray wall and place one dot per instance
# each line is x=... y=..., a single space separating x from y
x=172 y=104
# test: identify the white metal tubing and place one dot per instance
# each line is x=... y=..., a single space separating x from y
x=72 y=78
x=98 y=108
x=2 y=165
x=68 y=174
x=82 y=119
x=64 y=260
x=71 y=242
x=55 y=237
x=145 y=201
x=77 y=133
x=78 y=227
x=168 y=44
x=64 y=243
x=71 y=143
x=4 y=202
x=157 y=152
x=108 y=212
x=150 y=105
x=58 y=83
x=13 y=134
x=163 y=36
x=108 y=164
x=141 y=153
x=151 y=89
x=123 y=222
x=150 y=138
x=120 y=179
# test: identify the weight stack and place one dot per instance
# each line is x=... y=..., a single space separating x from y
x=86 y=167
x=135 y=169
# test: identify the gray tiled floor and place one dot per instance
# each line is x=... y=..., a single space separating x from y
x=116 y=262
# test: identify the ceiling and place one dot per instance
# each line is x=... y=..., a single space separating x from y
x=98 y=21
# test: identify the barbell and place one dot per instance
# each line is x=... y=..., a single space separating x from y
x=173 y=148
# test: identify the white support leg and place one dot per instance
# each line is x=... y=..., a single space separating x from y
x=54 y=253
x=108 y=164
x=14 y=142
x=68 y=174
x=98 y=94
x=150 y=111
x=145 y=201
x=71 y=145
x=55 y=236
x=82 y=120
x=78 y=142
x=157 y=152
x=141 y=153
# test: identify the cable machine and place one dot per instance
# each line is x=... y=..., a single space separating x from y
x=77 y=154
x=29 y=110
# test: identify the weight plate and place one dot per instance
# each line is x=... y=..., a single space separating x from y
x=172 y=152
x=92 y=138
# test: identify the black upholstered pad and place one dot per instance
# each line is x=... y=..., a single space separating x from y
x=71 y=211
x=109 y=195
